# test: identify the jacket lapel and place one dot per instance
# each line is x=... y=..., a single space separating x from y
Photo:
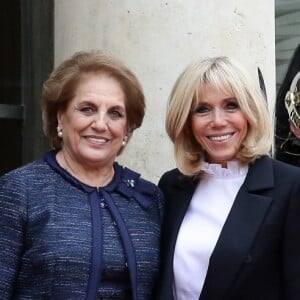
x=239 y=230
x=179 y=195
x=182 y=199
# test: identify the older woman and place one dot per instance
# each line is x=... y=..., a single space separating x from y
x=231 y=224
x=76 y=224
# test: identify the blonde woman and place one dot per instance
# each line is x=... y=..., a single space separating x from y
x=231 y=225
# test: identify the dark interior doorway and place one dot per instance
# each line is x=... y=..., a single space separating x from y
x=26 y=52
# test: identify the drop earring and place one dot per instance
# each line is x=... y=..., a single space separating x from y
x=59 y=132
x=125 y=140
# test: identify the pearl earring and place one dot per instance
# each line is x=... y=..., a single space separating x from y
x=59 y=132
x=125 y=140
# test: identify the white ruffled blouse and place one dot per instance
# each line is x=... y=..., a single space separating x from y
x=201 y=226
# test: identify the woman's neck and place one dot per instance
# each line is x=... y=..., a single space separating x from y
x=88 y=174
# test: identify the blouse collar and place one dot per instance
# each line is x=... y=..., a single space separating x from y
x=234 y=169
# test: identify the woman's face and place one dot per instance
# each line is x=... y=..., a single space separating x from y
x=219 y=125
x=94 y=123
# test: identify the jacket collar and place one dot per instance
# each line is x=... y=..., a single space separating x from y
x=125 y=182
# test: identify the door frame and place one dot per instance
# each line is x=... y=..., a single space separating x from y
x=37 y=40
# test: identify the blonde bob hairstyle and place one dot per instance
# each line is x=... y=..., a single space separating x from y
x=224 y=74
x=61 y=87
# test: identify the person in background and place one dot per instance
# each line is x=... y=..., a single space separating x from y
x=76 y=224
x=287 y=131
x=231 y=223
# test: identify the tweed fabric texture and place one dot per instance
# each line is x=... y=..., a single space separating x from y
x=52 y=248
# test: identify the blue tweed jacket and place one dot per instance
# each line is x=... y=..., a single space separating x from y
x=62 y=239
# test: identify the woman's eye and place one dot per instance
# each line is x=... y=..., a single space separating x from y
x=116 y=114
x=201 y=109
x=87 y=110
x=231 y=105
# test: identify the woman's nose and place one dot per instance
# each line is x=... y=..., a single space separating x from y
x=218 y=118
x=100 y=121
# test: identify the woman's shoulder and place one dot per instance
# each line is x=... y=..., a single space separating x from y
x=172 y=174
x=174 y=178
x=131 y=184
x=17 y=184
x=27 y=172
x=274 y=172
x=134 y=179
x=282 y=167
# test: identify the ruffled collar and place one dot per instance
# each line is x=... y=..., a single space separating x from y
x=234 y=169
x=125 y=182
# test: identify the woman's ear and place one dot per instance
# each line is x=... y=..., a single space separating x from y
x=58 y=117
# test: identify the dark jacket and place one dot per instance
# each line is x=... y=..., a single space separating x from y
x=57 y=235
x=257 y=255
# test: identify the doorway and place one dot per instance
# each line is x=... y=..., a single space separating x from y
x=27 y=59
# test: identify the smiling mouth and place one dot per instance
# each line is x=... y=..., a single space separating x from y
x=221 y=138
x=97 y=140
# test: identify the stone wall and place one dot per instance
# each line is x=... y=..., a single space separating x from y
x=157 y=39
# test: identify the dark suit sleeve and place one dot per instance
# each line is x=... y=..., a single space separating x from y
x=291 y=245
